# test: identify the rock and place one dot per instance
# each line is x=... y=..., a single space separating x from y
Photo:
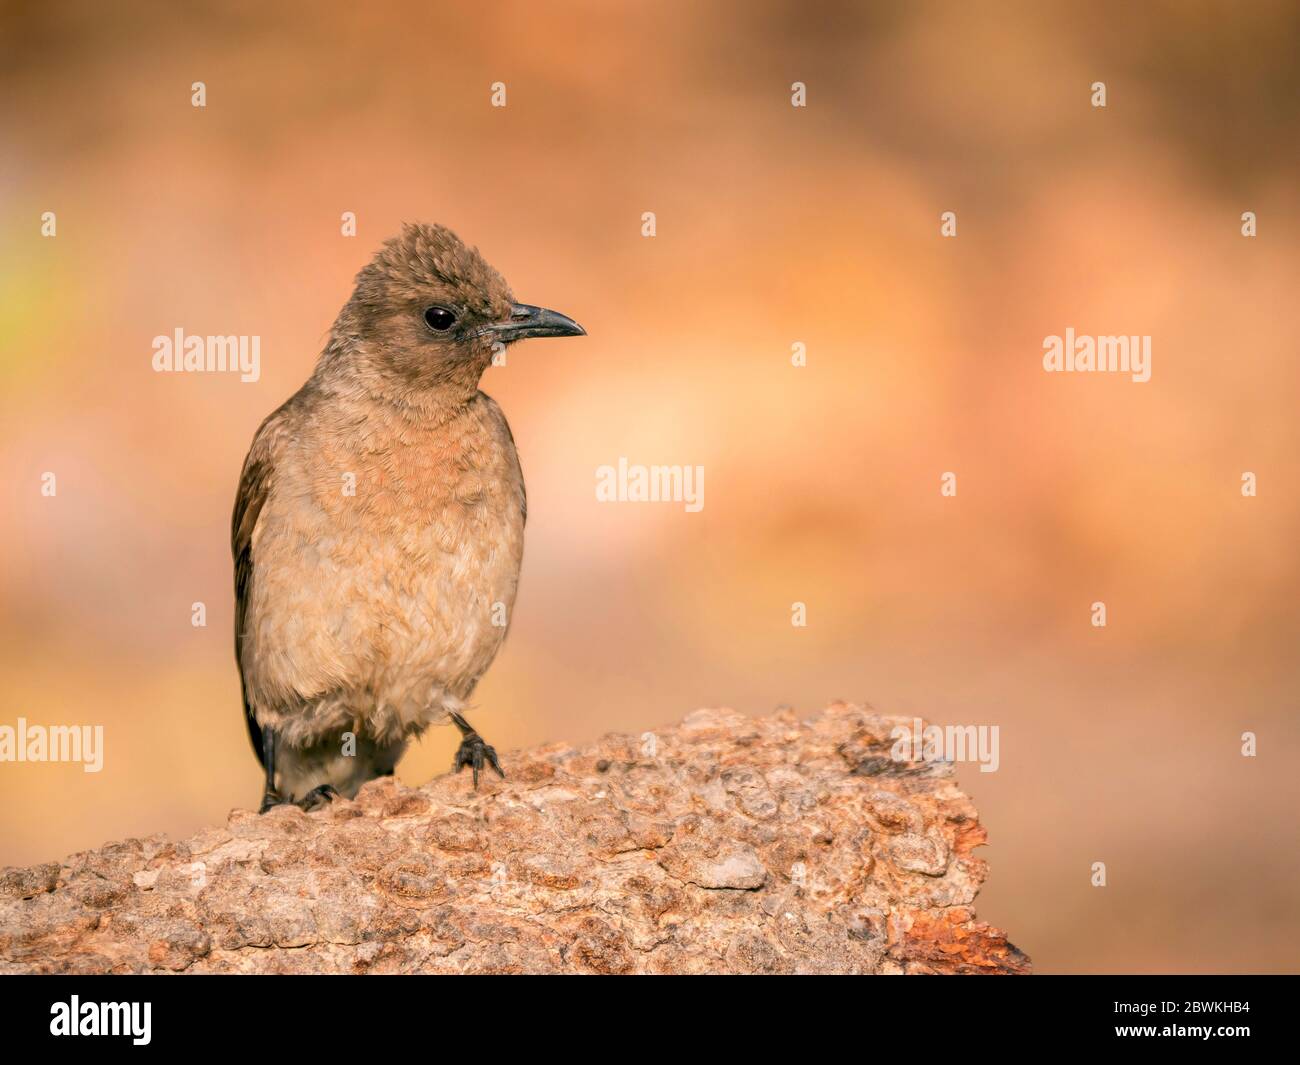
x=728 y=844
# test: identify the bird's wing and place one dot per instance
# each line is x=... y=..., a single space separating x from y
x=254 y=486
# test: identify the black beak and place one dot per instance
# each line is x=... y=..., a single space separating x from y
x=529 y=321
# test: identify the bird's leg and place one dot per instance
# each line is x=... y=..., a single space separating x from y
x=270 y=797
x=473 y=752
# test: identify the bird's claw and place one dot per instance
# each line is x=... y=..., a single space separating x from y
x=319 y=796
x=473 y=752
x=271 y=799
x=313 y=800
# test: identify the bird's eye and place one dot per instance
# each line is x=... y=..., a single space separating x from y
x=439 y=319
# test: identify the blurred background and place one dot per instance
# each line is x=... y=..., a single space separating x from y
x=776 y=225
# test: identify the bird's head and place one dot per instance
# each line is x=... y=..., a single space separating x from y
x=428 y=309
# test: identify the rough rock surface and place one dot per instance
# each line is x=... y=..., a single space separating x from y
x=726 y=844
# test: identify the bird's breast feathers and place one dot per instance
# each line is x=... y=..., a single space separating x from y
x=385 y=564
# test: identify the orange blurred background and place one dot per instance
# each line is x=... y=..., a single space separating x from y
x=776 y=225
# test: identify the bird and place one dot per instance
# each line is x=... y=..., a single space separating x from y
x=378 y=527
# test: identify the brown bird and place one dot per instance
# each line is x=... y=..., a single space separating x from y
x=379 y=525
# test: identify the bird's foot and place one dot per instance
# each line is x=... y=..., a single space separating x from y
x=475 y=753
x=313 y=800
x=271 y=799
x=319 y=796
